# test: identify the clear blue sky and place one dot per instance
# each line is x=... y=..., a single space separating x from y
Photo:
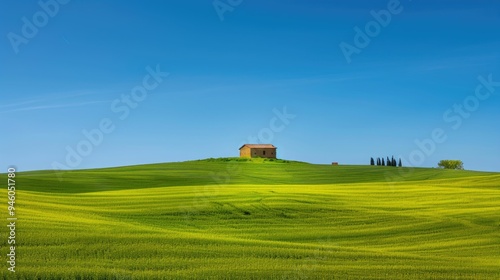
x=228 y=77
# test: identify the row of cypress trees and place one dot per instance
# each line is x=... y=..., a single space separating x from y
x=383 y=162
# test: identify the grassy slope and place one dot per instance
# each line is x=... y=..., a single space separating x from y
x=219 y=171
x=259 y=219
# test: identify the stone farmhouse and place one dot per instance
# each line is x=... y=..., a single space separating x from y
x=258 y=150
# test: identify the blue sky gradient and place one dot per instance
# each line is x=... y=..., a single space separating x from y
x=228 y=78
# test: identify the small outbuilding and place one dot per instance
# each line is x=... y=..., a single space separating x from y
x=258 y=150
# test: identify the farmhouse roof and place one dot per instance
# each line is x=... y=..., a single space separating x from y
x=259 y=146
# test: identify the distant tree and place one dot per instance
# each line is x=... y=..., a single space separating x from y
x=372 y=162
x=383 y=162
x=400 y=165
x=451 y=164
x=378 y=161
x=388 y=161
x=393 y=161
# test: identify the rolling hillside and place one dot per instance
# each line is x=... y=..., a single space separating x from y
x=228 y=219
x=232 y=171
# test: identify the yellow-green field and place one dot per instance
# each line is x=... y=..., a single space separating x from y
x=228 y=219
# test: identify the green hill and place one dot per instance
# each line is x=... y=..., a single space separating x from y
x=258 y=219
x=227 y=171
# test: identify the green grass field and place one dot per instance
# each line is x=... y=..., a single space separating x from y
x=231 y=219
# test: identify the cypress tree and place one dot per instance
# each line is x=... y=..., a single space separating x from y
x=372 y=162
x=400 y=165
x=383 y=163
